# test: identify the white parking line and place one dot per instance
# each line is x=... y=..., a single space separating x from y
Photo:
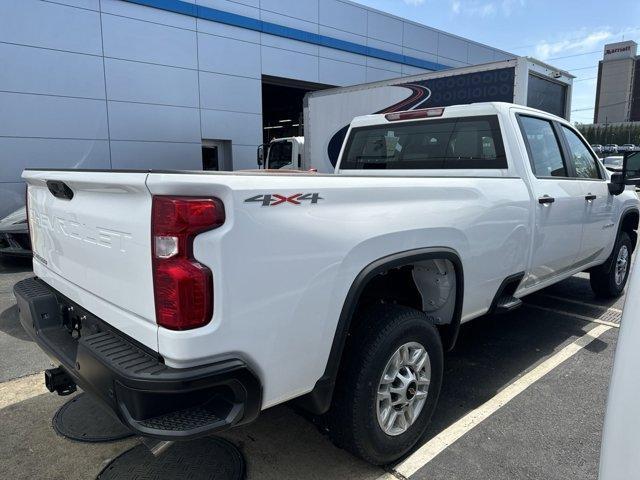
x=576 y=315
x=580 y=302
x=21 y=389
x=437 y=444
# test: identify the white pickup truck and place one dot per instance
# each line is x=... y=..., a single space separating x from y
x=190 y=301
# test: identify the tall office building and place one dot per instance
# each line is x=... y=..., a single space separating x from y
x=618 y=90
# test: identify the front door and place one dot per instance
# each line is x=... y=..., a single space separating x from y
x=559 y=202
x=598 y=202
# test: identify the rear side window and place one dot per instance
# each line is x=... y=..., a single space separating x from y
x=468 y=142
x=583 y=162
x=543 y=147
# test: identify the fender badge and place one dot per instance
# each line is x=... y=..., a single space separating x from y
x=273 y=199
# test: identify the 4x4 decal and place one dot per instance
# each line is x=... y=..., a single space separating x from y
x=273 y=199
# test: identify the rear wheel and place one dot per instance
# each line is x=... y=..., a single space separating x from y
x=389 y=387
x=608 y=280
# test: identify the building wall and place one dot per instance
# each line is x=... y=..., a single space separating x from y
x=634 y=115
x=614 y=95
x=115 y=84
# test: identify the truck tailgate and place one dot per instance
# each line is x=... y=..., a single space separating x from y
x=91 y=238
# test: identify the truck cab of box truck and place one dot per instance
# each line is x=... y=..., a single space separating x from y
x=282 y=153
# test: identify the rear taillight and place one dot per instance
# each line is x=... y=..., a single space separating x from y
x=415 y=114
x=183 y=287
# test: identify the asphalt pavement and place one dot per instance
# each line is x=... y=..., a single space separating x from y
x=498 y=417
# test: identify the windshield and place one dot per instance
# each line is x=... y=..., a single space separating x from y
x=280 y=154
x=453 y=143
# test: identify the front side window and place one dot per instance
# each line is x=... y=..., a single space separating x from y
x=583 y=162
x=543 y=147
x=455 y=143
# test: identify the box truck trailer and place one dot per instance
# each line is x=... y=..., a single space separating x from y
x=327 y=113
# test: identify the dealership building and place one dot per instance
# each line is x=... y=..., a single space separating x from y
x=618 y=89
x=193 y=84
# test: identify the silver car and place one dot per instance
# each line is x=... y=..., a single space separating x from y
x=613 y=163
x=14 y=235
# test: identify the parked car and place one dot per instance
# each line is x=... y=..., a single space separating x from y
x=14 y=235
x=597 y=148
x=611 y=148
x=619 y=458
x=188 y=302
x=627 y=147
x=613 y=163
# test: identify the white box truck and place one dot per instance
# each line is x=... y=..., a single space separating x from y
x=328 y=113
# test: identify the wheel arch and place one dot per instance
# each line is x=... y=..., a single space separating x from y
x=629 y=223
x=318 y=400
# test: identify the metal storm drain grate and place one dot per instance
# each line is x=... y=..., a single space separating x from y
x=209 y=458
x=611 y=316
x=83 y=419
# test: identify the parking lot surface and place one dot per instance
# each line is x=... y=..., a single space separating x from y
x=523 y=397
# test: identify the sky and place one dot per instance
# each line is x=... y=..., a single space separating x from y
x=567 y=34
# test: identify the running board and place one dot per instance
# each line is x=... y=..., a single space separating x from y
x=504 y=301
x=507 y=303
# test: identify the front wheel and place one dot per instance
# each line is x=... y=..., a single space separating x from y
x=608 y=280
x=389 y=387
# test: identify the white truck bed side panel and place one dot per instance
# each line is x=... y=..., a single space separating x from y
x=282 y=273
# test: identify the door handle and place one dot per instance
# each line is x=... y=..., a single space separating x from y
x=589 y=197
x=546 y=199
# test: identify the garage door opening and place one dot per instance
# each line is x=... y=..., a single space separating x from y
x=282 y=106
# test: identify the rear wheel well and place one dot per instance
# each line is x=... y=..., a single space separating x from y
x=407 y=278
x=395 y=285
x=428 y=286
x=432 y=283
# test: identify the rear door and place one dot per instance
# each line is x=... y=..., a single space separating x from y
x=598 y=230
x=91 y=238
x=558 y=201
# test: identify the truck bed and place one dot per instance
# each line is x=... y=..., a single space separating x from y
x=260 y=277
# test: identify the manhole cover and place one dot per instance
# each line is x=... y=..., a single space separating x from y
x=203 y=459
x=83 y=419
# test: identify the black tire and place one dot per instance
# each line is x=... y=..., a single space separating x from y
x=352 y=420
x=603 y=277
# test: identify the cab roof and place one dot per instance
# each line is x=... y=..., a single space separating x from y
x=464 y=110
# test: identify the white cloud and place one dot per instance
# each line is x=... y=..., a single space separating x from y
x=485 y=9
x=414 y=3
x=576 y=42
x=509 y=6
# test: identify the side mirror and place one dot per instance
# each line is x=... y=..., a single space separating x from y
x=260 y=155
x=616 y=185
x=631 y=168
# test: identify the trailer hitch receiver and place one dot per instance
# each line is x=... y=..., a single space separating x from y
x=58 y=380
